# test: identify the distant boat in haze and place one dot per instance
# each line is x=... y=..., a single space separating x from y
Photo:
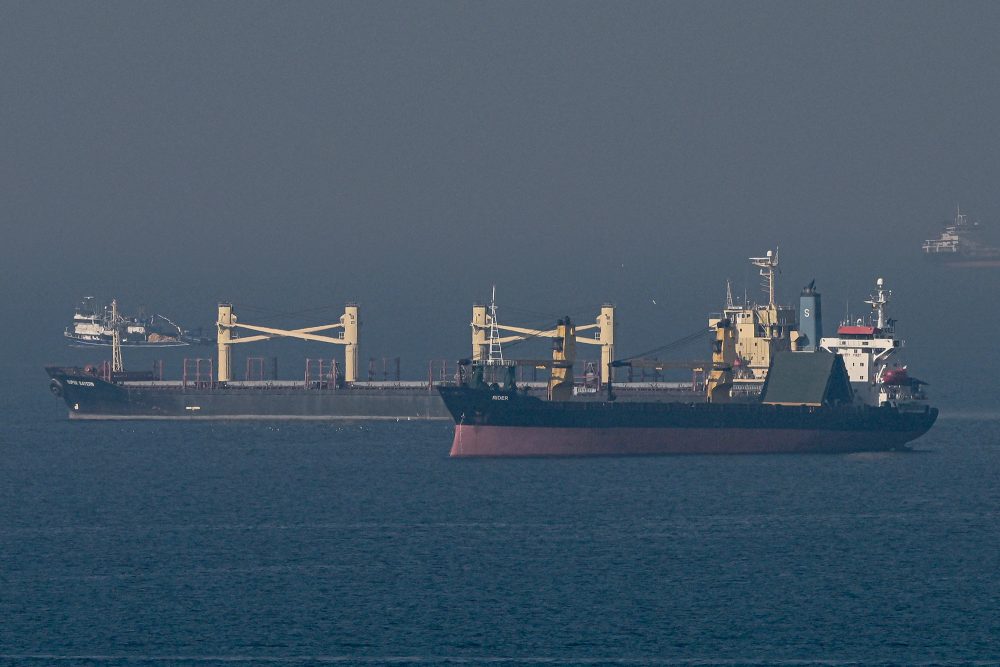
x=960 y=245
x=93 y=326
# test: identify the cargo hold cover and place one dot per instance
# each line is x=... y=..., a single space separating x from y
x=807 y=378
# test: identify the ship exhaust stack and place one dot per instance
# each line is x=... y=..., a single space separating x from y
x=810 y=319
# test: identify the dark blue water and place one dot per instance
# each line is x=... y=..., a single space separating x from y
x=300 y=543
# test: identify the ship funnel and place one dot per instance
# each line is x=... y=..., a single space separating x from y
x=810 y=318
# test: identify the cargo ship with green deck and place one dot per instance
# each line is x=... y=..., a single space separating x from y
x=775 y=386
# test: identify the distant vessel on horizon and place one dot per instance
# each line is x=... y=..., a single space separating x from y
x=959 y=245
x=93 y=326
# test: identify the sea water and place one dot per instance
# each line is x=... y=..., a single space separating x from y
x=133 y=543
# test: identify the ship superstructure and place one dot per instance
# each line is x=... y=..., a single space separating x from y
x=758 y=331
x=870 y=348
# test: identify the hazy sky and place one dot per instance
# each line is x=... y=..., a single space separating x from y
x=410 y=154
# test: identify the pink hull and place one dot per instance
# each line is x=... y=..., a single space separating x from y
x=542 y=441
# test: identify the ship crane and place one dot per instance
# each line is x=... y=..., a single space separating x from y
x=487 y=341
x=349 y=325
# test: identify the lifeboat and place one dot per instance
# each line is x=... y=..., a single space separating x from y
x=899 y=377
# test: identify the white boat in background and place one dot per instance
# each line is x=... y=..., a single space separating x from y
x=960 y=245
x=93 y=326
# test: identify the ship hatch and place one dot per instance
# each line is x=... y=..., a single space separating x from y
x=807 y=378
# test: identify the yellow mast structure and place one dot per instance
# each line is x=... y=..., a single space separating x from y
x=483 y=323
x=563 y=350
x=720 y=379
x=349 y=325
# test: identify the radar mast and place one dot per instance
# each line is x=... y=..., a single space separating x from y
x=495 y=357
x=767 y=265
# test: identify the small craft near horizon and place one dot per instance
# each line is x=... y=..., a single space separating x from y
x=98 y=326
x=960 y=245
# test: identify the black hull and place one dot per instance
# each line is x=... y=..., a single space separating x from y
x=89 y=397
x=501 y=424
x=131 y=397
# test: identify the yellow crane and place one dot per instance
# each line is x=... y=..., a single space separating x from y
x=349 y=325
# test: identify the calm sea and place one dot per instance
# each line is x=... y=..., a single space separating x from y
x=307 y=543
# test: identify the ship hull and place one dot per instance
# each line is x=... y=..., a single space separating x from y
x=964 y=261
x=492 y=424
x=90 y=398
x=973 y=264
x=560 y=441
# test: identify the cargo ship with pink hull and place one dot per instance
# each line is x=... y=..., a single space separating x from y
x=846 y=393
x=503 y=423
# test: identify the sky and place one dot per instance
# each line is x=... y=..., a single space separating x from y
x=290 y=157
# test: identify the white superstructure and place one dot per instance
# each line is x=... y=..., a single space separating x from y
x=950 y=240
x=960 y=244
x=869 y=347
x=91 y=326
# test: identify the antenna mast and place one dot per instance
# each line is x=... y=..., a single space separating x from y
x=116 y=340
x=878 y=300
x=496 y=352
x=767 y=265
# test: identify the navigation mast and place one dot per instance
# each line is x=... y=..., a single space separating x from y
x=495 y=356
x=116 y=339
x=767 y=265
x=878 y=300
